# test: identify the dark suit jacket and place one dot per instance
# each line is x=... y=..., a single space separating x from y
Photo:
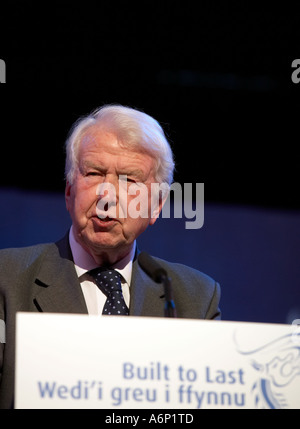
x=43 y=278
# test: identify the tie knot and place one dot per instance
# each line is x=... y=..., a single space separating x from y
x=108 y=280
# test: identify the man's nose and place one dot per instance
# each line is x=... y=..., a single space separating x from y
x=107 y=197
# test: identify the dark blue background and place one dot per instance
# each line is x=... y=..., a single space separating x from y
x=252 y=252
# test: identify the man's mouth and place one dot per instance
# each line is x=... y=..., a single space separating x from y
x=104 y=221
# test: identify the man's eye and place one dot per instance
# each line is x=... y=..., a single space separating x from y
x=126 y=179
x=92 y=173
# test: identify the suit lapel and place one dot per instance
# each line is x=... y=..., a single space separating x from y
x=146 y=296
x=58 y=288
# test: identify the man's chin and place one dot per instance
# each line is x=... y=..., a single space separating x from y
x=101 y=238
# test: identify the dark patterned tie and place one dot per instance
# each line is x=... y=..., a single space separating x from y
x=109 y=282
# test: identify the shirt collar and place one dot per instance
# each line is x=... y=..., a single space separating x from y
x=84 y=262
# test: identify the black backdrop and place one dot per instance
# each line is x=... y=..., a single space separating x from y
x=216 y=75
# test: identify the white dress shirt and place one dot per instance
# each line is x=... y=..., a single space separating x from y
x=84 y=262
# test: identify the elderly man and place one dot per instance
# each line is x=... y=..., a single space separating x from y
x=113 y=155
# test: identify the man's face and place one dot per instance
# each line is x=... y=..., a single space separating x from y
x=101 y=163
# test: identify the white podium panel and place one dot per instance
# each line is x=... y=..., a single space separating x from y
x=80 y=361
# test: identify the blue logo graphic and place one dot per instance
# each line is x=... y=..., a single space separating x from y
x=277 y=364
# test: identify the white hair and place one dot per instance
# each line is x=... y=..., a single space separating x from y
x=134 y=130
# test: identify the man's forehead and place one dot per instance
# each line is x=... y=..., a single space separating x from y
x=106 y=141
x=101 y=164
x=137 y=164
x=98 y=144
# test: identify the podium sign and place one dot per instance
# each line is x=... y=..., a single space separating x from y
x=115 y=362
